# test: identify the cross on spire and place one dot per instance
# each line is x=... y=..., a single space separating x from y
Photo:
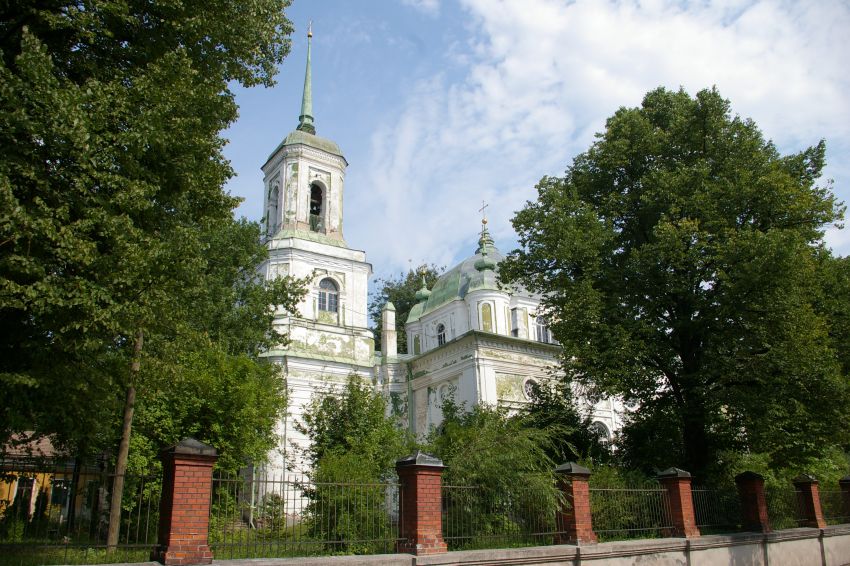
x=485 y=239
x=483 y=212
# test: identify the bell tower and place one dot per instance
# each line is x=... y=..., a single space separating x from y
x=328 y=337
x=304 y=178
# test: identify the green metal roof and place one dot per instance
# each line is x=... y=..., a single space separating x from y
x=462 y=279
x=301 y=137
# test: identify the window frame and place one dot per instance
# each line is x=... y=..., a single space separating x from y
x=542 y=331
x=328 y=297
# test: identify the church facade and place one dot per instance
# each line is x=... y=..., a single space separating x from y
x=468 y=338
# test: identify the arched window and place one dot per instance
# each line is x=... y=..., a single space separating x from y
x=328 y=296
x=602 y=433
x=271 y=218
x=542 y=330
x=486 y=318
x=441 y=334
x=317 y=210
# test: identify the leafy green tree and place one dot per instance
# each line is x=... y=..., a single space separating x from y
x=553 y=408
x=110 y=180
x=680 y=262
x=352 y=441
x=401 y=292
x=354 y=420
x=500 y=474
x=834 y=304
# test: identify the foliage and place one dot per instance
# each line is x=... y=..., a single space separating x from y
x=625 y=503
x=355 y=443
x=680 y=261
x=502 y=473
x=401 y=292
x=834 y=304
x=112 y=183
x=114 y=223
x=353 y=420
x=205 y=380
x=553 y=407
x=231 y=402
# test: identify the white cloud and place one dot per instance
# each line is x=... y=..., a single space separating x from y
x=542 y=77
x=430 y=7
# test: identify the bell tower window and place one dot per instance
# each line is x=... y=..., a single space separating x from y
x=271 y=218
x=328 y=296
x=317 y=208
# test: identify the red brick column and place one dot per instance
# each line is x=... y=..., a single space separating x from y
x=678 y=485
x=753 y=503
x=575 y=523
x=421 y=513
x=844 y=484
x=808 y=501
x=184 y=510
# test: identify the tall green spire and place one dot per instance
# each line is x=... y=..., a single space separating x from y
x=305 y=120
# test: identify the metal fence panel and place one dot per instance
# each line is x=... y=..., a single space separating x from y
x=474 y=517
x=783 y=508
x=834 y=507
x=620 y=514
x=717 y=510
x=272 y=517
x=53 y=517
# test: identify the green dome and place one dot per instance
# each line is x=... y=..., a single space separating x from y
x=301 y=137
x=422 y=294
x=485 y=263
x=462 y=279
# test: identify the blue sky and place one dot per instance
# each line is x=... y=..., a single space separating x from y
x=440 y=104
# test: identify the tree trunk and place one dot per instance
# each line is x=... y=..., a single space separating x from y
x=698 y=450
x=72 y=499
x=124 y=448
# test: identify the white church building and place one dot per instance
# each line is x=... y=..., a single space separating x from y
x=468 y=338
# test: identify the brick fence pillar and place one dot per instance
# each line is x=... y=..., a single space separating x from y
x=808 y=501
x=421 y=513
x=844 y=484
x=753 y=502
x=677 y=483
x=575 y=523
x=184 y=509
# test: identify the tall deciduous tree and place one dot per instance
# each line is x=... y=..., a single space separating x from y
x=680 y=258
x=111 y=175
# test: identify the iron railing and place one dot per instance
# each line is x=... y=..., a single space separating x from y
x=783 y=508
x=475 y=517
x=272 y=517
x=620 y=514
x=53 y=517
x=835 y=507
x=716 y=510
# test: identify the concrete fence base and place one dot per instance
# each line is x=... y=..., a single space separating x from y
x=829 y=546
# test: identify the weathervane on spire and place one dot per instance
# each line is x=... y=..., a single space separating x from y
x=310 y=28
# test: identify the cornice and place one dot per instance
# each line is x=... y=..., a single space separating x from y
x=302 y=150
